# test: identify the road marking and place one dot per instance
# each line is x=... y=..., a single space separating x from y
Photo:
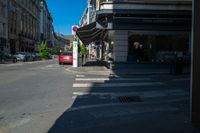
x=125 y=104
x=83 y=85
x=80 y=76
x=19 y=123
x=137 y=73
x=49 y=66
x=111 y=79
x=143 y=94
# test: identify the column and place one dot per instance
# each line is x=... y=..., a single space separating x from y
x=120 y=46
x=195 y=84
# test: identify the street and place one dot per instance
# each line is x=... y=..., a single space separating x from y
x=33 y=95
x=40 y=97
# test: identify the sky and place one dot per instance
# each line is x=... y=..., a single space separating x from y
x=66 y=13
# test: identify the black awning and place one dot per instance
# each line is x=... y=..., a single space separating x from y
x=90 y=33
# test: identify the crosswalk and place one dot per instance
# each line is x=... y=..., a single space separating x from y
x=95 y=91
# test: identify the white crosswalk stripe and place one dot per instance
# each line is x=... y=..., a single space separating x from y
x=143 y=93
x=111 y=79
x=118 y=84
x=80 y=76
x=110 y=89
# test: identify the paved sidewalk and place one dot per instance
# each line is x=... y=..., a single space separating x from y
x=92 y=67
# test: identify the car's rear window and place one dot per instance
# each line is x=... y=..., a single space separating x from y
x=67 y=53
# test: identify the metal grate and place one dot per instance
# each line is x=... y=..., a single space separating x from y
x=128 y=99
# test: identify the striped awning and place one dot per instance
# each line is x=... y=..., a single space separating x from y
x=90 y=33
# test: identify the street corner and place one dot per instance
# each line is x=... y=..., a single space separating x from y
x=89 y=70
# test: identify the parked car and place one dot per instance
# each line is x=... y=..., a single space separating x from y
x=35 y=56
x=65 y=57
x=29 y=57
x=21 y=56
x=4 y=57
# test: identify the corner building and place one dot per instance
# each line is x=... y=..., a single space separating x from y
x=117 y=26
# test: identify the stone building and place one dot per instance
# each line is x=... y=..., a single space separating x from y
x=3 y=26
x=23 y=25
x=46 y=25
x=116 y=25
x=62 y=41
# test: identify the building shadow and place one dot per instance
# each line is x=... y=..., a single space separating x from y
x=129 y=103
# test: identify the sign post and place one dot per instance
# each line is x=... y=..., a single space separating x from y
x=75 y=54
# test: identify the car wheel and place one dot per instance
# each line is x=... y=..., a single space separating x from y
x=60 y=63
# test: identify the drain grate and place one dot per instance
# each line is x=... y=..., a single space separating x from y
x=128 y=99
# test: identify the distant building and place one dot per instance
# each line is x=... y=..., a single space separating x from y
x=46 y=25
x=3 y=26
x=62 y=41
x=23 y=25
x=70 y=38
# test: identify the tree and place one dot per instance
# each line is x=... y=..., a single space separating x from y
x=43 y=50
x=70 y=48
x=56 y=49
x=83 y=50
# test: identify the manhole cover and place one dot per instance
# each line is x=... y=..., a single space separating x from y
x=128 y=99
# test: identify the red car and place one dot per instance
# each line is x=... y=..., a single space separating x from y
x=65 y=57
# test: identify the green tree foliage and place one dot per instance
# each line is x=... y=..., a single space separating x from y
x=83 y=50
x=56 y=49
x=43 y=50
x=70 y=49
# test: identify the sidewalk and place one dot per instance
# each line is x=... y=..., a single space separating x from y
x=145 y=68
x=91 y=67
x=125 y=68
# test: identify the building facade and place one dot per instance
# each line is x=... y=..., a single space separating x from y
x=23 y=25
x=4 y=45
x=62 y=41
x=46 y=25
x=125 y=28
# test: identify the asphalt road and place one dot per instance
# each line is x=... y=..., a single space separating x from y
x=33 y=95
x=43 y=97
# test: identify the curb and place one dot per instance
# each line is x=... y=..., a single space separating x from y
x=69 y=69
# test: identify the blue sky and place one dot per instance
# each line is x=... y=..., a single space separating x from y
x=66 y=13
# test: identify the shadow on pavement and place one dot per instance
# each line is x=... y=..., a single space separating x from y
x=127 y=104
